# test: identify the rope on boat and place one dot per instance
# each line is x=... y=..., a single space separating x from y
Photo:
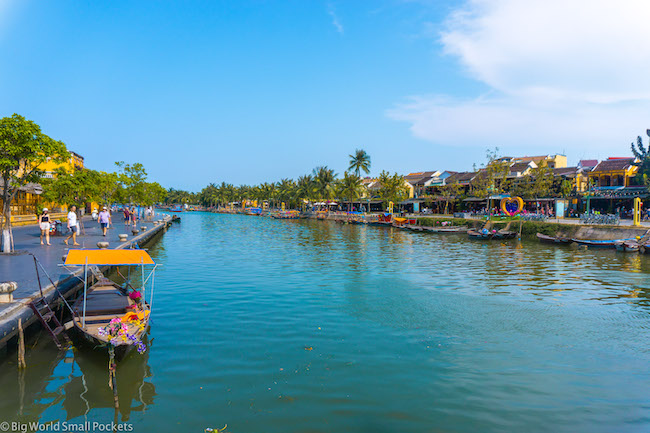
x=112 y=378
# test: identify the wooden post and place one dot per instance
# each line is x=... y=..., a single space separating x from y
x=21 y=345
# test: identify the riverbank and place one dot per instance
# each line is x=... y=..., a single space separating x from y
x=529 y=229
x=20 y=267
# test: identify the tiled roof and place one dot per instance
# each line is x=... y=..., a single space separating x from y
x=613 y=164
x=588 y=163
x=565 y=171
x=33 y=188
x=519 y=167
x=532 y=158
x=463 y=177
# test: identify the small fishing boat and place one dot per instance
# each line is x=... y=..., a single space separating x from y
x=446 y=229
x=628 y=246
x=601 y=243
x=545 y=239
x=109 y=316
x=488 y=235
x=481 y=235
x=177 y=208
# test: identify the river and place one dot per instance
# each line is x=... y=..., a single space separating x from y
x=312 y=326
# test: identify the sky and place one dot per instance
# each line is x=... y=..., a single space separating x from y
x=253 y=91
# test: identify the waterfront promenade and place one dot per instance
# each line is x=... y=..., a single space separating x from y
x=19 y=266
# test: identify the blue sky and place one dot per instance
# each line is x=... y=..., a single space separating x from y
x=252 y=91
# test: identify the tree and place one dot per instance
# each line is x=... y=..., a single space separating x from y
x=449 y=192
x=132 y=178
x=566 y=188
x=77 y=188
x=153 y=193
x=642 y=156
x=23 y=149
x=393 y=188
x=323 y=179
x=107 y=187
x=360 y=161
x=351 y=188
x=305 y=187
x=491 y=178
x=542 y=180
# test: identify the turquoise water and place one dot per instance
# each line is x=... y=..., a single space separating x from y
x=310 y=326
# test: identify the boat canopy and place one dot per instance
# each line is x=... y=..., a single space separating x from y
x=108 y=257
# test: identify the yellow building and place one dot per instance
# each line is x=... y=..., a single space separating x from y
x=614 y=172
x=74 y=163
x=23 y=207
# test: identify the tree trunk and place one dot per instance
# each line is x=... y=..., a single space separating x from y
x=7 y=241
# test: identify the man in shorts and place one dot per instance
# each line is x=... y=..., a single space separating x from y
x=104 y=219
x=72 y=226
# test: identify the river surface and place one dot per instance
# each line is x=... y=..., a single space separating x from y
x=310 y=326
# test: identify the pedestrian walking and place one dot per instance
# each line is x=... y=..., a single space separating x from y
x=134 y=216
x=44 y=224
x=104 y=219
x=72 y=226
x=127 y=215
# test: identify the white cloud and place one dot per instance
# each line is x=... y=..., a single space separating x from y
x=568 y=73
x=335 y=19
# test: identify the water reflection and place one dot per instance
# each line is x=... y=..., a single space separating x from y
x=88 y=387
x=75 y=380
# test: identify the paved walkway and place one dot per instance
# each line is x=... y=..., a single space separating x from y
x=20 y=266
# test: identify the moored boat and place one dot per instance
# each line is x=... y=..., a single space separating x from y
x=601 y=243
x=552 y=239
x=446 y=229
x=109 y=316
x=628 y=246
x=485 y=234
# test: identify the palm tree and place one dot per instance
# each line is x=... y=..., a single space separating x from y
x=360 y=161
x=350 y=187
x=286 y=191
x=305 y=187
x=323 y=179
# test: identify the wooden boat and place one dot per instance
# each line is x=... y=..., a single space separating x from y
x=600 y=243
x=501 y=234
x=447 y=229
x=552 y=240
x=475 y=234
x=109 y=316
x=628 y=246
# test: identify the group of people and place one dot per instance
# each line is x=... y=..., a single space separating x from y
x=45 y=224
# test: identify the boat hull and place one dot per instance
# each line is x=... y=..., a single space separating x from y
x=600 y=244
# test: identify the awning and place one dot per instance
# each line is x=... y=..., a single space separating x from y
x=108 y=257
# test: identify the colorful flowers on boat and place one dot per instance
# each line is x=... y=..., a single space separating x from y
x=117 y=331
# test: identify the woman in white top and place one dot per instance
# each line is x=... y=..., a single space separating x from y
x=44 y=223
x=72 y=225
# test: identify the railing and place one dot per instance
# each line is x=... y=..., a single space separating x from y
x=20 y=220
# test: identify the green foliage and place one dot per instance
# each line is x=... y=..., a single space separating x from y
x=350 y=188
x=359 y=161
x=542 y=180
x=75 y=188
x=23 y=150
x=393 y=188
x=449 y=192
x=642 y=156
x=323 y=182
